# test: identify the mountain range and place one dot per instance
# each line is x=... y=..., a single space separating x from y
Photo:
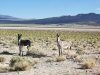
x=89 y=19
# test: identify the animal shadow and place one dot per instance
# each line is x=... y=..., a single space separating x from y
x=6 y=53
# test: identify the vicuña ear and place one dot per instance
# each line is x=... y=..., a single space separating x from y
x=18 y=34
x=58 y=34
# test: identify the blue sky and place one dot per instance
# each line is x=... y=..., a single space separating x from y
x=47 y=8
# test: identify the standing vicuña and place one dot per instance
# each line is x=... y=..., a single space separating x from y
x=22 y=43
x=59 y=44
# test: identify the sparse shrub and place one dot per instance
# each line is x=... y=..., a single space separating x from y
x=50 y=60
x=69 y=56
x=2 y=59
x=3 y=68
x=60 y=58
x=78 y=58
x=54 y=49
x=20 y=64
x=89 y=64
x=80 y=51
x=34 y=62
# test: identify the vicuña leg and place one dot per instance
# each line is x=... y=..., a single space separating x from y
x=19 y=50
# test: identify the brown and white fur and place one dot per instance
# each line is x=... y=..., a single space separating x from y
x=59 y=44
x=22 y=43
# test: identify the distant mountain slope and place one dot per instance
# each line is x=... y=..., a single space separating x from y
x=90 y=19
x=6 y=17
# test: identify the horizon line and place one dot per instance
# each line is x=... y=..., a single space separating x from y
x=48 y=16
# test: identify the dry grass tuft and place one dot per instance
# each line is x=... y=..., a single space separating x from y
x=54 y=48
x=50 y=60
x=20 y=64
x=89 y=64
x=78 y=58
x=60 y=58
x=3 y=68
x=80 y=51
x=2 y=59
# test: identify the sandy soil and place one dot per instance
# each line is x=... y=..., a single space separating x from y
x=48 y=65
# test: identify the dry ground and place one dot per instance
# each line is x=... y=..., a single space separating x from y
x=84 y=29
x=71 y=63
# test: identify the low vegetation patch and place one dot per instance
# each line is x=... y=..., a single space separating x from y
x=3 y=68
x=54 y=49
x=50 y=60
x=2 y=59
x=60 y=58
x=89 y=64
x=79 y=59
x=20 y=64
x=80 y=51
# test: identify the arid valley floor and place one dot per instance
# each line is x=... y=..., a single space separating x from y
x=82 y=59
